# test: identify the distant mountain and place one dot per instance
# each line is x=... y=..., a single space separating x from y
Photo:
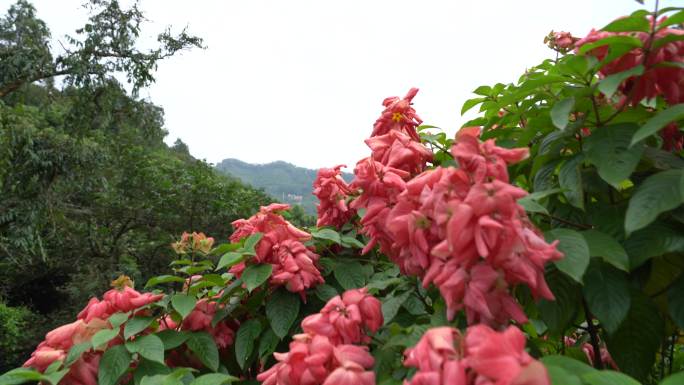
x=285 y=182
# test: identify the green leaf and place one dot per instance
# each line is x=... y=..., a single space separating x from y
x=325 y=292
x=560 y=376
x=560 y=113
x=629 y=24
x=149 y=346
x=154 y=281
x=282 y=310
x=675 y=379
x=267 y=343
x=635 y=344
x=349 y=274
x=172 y=338
x=608 y=377
x=620 y=40
x=20 y=376
x=148 y=368
x=569 y=364
x=230 y=259
x=608 y=148
x=610 y=83
x=575 y=251
x=604 y=246
x=251 y=242
x=76 y=351
x=652 y=241
x=255 y=275
x=136 y=325
x=117 y=319
x=224 y=248
x=214 y=379
x=104 y=336
x=606 y=290
x=327 y=234
x=659 y=121
x=559 y=313
x=183 y=303
x=244 y=341
x=113 y=364
x=203 y=346
x=532 y=206
x=348 y=241
x=658 y=193
x=391 y=306
x=55 y=377
x=570 y=180
x=470 y=103
x=675 y=301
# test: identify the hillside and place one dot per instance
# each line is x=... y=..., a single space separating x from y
x=284 y=181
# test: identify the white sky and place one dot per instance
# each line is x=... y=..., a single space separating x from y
x=303 y=81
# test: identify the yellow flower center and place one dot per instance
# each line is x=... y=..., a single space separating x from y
x=396 y=116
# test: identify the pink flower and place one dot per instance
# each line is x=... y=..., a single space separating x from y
x=44 y=356
x=332 y=192
x=484 y=160
x=127 y=299
x=307 y=362
x=200 y=320
x=398 y=150
x=350 y=374
x=673 y=139
x=398 y=115
x=296 y=267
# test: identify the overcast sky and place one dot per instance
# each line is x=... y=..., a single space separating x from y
x=303 y=81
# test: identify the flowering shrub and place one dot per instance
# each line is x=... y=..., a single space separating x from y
x=542 y=244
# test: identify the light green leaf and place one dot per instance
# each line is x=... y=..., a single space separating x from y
x=604 y=246
x=608 y=148
x=560 y=113
x=608 y=377
x=282 y=310
x=203 y=346
x=76 y=351
x=532 y=206
x=172 y=338
x=658 y=193
x=20 y=376
x=136 y=325
x=628 y=24
x=675 y=379
x=113 y=364
x=154 y=281
x=183 y=303
x=230 y=259
x=117 y=319
x=470 y=103
x=255 y=275
x=610 y=83
x=659 y=121
x=251 y=242
x=149 y=346
x=327 y=234
x=214 y=379
x=244 y=341
x=104 y=336
x=575 y=251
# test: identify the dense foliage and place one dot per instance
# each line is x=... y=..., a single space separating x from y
x=88 y=189
x=541 y=245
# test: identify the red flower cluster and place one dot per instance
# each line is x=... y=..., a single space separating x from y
x=483 y=357
x=90 y=320
x=659 y=78
x=332 y=191
x=397 y=155
x=294 y=265
x=327 y=352
x=463 y=230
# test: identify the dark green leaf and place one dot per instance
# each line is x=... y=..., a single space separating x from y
x=149 y=346
x=560 y=113
x=148 y=368
x=674 y=379
x=675 y=301
x=570 y=180
x=604 y=246
x=349 y=274
x=267 y=342
x=324 y=292
x=203 y=346
x=113 y=364
x=652 y=241
x=172 y=338
x=570 y=365
x=154 y=281
x=244 y=341
x=635 y=344
x=183 y=303
x=658 y=193
x=560 y=376
x=659 y=121
x=391 y=306
x=559 y=313
x=608 y=377
x=255 y=275
x=282 y=310
x=609 y=150
x=575 y=251
x=606 y=290
x=136 y=325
